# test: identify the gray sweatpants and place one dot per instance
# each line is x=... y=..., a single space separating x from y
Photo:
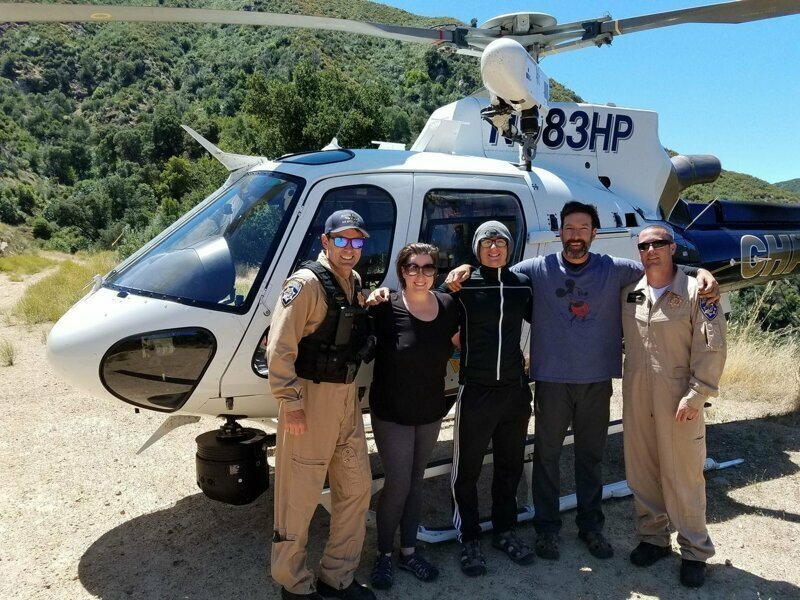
x=404 y=451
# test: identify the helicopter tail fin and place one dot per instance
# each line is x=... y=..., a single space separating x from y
x=232 y=162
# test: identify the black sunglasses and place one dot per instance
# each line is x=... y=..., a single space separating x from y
x=414 y=269
x=644 y=246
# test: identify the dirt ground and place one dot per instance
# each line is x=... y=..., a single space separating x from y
x=83 y=516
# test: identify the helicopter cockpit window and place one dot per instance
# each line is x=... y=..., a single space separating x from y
x=218 y=257
x=377 y=208
x=450 y=218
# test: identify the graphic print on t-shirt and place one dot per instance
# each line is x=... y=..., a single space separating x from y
x=575 y=304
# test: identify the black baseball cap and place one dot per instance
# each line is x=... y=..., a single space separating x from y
x=344 y=219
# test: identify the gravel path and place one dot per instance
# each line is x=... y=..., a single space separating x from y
x=83 y=516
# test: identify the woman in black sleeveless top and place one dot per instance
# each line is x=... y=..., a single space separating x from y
x=414 y=329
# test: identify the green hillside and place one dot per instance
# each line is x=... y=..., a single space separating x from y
x=738 y=186
x=793 y=185
x=92 y=154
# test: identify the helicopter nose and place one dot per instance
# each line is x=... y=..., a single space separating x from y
x=75 y=346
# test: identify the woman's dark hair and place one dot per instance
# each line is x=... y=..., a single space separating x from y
x=418 y=248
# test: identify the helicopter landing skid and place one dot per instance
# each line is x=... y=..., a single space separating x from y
x=619 y=489
x=436 y=468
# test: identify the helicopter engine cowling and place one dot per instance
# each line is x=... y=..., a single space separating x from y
x=686 y=171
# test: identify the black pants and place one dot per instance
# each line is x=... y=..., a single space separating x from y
x=556 y=405
x=484 y=413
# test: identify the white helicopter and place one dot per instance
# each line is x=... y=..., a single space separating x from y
x=180 y=326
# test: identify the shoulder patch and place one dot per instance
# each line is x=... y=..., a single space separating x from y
x=710 y=311
x=290 y=291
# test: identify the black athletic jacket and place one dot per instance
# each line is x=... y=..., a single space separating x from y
x=492 y=304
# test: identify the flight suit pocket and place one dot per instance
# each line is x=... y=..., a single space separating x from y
x=347 y=472
x=308 y=477
x=680 y=380
x=713 y=336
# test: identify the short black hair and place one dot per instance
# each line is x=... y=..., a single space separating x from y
x=573 y=206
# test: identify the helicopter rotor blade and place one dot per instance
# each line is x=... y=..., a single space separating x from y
x=596 y=32
x=74 y=13
x=740 y=11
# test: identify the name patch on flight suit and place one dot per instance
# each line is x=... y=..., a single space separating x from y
x=635 y=298
x=290 y=291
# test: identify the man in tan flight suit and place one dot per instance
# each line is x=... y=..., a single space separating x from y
x=320 y=428
x=674 y=356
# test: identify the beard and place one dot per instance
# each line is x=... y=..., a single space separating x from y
x=575 y=253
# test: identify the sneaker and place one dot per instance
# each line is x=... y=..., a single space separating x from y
x=646 y=554
x=597 y=543
x=354 y=591
x=547 y=546
x=287 y=595
x=693 y=573
x=472 y=561
x=382 y=576
x=515 y=548
x=419 y=566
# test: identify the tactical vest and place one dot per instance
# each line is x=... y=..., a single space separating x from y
x=330 y=353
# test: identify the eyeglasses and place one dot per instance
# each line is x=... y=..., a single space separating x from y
x=343 y=242
x=644 y=246
x=414 y=269
x=499 y=242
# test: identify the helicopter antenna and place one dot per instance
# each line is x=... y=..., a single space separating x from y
x=232 y=162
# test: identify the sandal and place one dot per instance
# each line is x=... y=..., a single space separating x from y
x=547 y=546
x=419 y=566
x=382 y=576
x=515 y=548
x=598 y=545
x=472 y=561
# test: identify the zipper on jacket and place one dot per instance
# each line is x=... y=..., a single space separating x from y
x=500 y=324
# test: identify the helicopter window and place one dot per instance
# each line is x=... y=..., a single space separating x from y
x=450 y=218
x=218 y=256
x=159 y=369
x=324 y=157
x=377 y=208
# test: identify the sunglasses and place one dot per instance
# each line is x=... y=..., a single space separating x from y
x=499 y=242
x=414 y=269
x=343 y=242
x=644 y=246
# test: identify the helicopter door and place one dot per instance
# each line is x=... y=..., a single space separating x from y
x=383 y=200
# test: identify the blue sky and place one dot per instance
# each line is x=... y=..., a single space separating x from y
x=727 y=90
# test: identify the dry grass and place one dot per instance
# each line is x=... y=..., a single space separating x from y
x=8 y=353
x=19 y=265
x=46 y=300
x=765 y=365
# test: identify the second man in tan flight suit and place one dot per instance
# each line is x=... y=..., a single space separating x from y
x=674 y=356
x=316 y=343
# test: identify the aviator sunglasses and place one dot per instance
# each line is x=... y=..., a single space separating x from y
x=644 y=246
x=414 y=269
x=343 y=242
